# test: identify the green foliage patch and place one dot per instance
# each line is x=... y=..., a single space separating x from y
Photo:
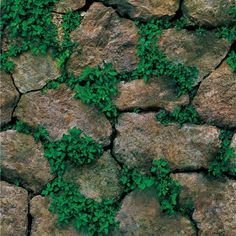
x=222 y=164
x=231 y=60
x=87 y=215
x=180 y=115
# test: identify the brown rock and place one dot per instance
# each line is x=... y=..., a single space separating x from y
x=144 y=9
x=8 y=98
x=31 y=72
x=140 y=215
x=216 y=97
x=57 y=20
x=156 y=93
x=104 y=37
x=99 y=180
x=204 y=51
x=209 y=13
x=58 y=111
x=141 y=139
x=14 y=209
x=23 y=159
x=44 y=222
x=68 y=5
x=214 y=202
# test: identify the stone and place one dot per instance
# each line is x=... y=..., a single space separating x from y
x=99 y=180
x=156 y=93
x=213 y=200
x=14 y=209
x=57 y=20
x=216 y=97
x=104 y=37
x=144 y=9
x=233 y=145
x=140 y=215
x=44 y=222
x=64 y=6
x=58 y=112
x=23 y=159
x=9 y=97
x=31 y=72
x=204 y=51
x=141 y=139
x=209 y=13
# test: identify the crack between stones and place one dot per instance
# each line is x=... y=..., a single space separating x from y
x=30 y=218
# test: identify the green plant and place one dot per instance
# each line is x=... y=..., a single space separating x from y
x=181 y=23
x=96 y=86
x=97 y=218
x=228 y=32
x=181 y=115
x=231 y=60
x=168 y=189
x=28 y=26
x=222 y=164
x=75 y=147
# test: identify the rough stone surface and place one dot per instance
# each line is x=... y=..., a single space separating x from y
x=8 y=98
x=144 y=9
x=214 y=202
x=14 y=209
x=156 y=93
x=44 y=222
x=64 y=6
x=31 y=72
x=204 y=51
x=104 y=37
x=58 y=112
x=99 y=180
x=141 y=139
x=233 y=145
x=22 y=159
x=57 y=20
x=209 y=13
x=140 y=215
x=216 y=97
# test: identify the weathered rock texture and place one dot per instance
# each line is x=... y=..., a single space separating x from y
x=58 y=111
x=140 y=215
x=216 y=97
x=204 y=51
x=104 y=37
x=214 y=202
x=14 y=209
x=99 y=180
x=144 y=9
x=141 y=139
x=156 y=93
x=22 y=159
x=8 y=98
x=31 y=72
x=64 y=6
x=44 y=222
x=209 y=13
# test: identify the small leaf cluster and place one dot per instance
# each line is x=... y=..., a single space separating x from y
x=74 y=147
x=222 y=164
x=168 y=189
x=231 y=60
x=96 y=86
x=86 y=214
x=28 y=26
x=153 y=61
x=180 y=115
x=228 y=32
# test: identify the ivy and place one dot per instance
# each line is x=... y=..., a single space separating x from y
x=222 y=164
x=231 y=60
x=180 y=115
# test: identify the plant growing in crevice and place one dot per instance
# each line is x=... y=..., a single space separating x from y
x=180 y=115
x=97 y=218
x=231 y=60
x=221 y=164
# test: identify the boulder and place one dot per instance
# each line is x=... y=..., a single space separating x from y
x=141 y=139
x=58 y=112
x=63 y=6
x=104 y=37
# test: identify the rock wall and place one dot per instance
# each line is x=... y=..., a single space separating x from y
x=46 y=95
